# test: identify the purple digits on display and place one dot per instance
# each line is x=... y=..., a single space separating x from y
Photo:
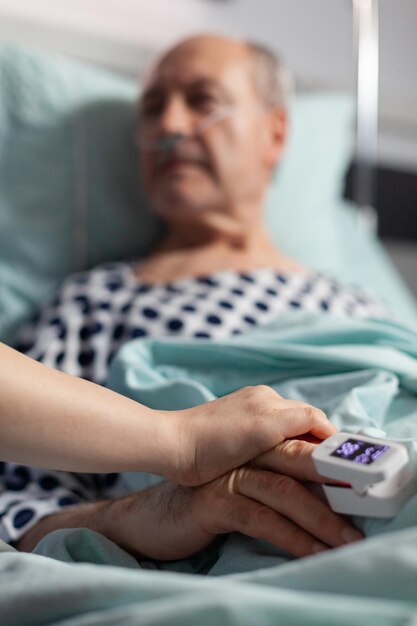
x=359 y=451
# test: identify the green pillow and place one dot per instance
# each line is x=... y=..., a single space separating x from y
x=69 y=195
x=69 y=191
x=301 y=211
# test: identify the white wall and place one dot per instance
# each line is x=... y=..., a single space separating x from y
x=315 y=37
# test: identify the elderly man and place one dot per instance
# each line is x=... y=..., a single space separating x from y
x=212 y=130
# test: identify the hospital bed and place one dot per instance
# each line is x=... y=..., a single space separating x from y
x=69 y=199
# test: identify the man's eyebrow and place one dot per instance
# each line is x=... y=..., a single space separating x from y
x=205 y=82
x=158 y=91
x=209 y=83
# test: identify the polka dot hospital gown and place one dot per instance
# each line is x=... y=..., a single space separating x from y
x=95 y=312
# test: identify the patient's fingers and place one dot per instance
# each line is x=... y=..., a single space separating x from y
x=289 y=498
x=251 y=518
x=293 y=458
x=219 y=510
x=272 y=507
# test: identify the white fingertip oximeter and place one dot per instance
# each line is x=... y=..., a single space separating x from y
x=375 y=474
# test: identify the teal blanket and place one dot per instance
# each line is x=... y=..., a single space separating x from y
x=364 y=375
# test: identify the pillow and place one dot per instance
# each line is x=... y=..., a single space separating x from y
x=69 y=191
x=362 y=259
x=301 y=210
x=69 y=195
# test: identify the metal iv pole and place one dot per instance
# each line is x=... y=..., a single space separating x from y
x=365 y=17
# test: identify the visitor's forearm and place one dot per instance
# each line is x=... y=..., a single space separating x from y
x=51 y=419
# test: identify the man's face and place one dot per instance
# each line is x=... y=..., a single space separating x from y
x=224 y=168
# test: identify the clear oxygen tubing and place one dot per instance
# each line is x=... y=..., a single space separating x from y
x=169 y=141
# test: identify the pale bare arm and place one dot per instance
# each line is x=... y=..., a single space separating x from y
x=51 y=419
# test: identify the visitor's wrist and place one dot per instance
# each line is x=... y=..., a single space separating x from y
x=156 y=448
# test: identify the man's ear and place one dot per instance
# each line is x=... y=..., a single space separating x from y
x=277 y=136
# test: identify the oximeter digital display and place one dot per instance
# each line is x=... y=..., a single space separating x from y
x=374 y=475
x=359 y=451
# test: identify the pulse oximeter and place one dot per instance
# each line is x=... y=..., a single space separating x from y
x=375 y=475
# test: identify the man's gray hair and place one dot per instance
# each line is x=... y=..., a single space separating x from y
x=273 y=80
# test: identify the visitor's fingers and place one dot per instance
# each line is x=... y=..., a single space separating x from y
x=226 y=433
x=298 y=418
x=295 y=418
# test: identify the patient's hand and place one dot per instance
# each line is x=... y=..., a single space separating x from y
x=172 y=522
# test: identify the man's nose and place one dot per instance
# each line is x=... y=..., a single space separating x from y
x=176 y=117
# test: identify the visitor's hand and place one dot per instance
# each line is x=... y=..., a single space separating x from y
x=221 y=435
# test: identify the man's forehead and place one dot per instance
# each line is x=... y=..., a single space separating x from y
x=205 y=60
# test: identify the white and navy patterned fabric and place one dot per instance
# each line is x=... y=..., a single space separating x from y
x=96 y=312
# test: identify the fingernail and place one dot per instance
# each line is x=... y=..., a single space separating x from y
x=319 y=547
x=350 y=534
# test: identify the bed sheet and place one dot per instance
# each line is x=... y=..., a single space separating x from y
x=373 y=583
x=364 y=374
